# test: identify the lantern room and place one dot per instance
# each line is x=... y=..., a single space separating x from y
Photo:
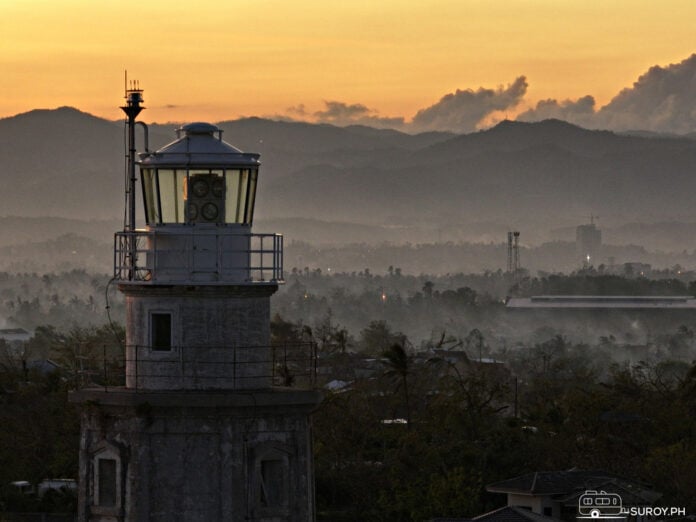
x=199 y=179
x=199 y=194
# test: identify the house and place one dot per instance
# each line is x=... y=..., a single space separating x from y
x=14 y=339
x=11 y=335
x=556 y=493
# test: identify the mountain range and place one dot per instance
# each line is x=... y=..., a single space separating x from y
x=531 y=176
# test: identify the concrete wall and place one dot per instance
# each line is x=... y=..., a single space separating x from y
x=220 y=337
x=201 y=458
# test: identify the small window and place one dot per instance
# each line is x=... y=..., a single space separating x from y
x=272 y=483
x=161 y=330
x=107 y=482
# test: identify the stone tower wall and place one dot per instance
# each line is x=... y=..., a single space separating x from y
x=202 y=458
x=220 y=337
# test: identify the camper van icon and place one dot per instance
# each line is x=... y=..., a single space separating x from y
x=600 y=504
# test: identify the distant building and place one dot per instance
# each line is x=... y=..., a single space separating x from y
x=14 y=335
x=603 y=302
x=15 y=339
x=635 y=269
x=43 y=366
x=588 y=243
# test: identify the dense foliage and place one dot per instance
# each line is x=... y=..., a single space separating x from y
x=572 y=410
x=419 y=424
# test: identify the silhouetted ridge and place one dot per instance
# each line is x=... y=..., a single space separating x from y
x=68 y=163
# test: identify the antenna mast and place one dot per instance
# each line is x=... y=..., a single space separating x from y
x=134 y=98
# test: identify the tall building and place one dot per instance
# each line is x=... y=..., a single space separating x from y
x=588 y=243
x=200 y=431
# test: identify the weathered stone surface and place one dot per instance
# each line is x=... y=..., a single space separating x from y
x=196 y=456
x=198 y=434
x=220 y=338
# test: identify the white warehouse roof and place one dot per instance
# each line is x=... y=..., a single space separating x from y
x=601 y=302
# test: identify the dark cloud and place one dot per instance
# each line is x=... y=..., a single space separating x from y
x=339 y=113
x=662 y=100
x=463 y=111
x=579 y=112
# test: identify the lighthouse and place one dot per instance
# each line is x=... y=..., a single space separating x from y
x=201 y=428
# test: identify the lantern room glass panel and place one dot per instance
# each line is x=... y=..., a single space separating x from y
x=196 y=196
x=241 y=189
x=232 y=193
x=181 y=180
x=242 y=195
x=169 y=195
x=251 y=198
x=152 y=214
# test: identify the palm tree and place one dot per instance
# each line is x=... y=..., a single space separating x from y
x=399 y=368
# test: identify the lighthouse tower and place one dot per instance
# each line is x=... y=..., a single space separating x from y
x=200 y=431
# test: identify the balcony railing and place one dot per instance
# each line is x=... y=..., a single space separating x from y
x=204 y=368
x=212 y=256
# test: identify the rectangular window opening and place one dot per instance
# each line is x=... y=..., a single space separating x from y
x=107 y=482
x=161 y=331
x=272 y=483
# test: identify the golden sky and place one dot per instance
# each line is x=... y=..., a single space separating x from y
x=216 y=59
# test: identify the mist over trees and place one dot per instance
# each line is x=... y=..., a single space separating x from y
x=437 y=391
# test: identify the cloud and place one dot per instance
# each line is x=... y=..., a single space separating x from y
x=463 y=111
x=297 y=110
x=340 y=113
x=580 y=112
x=662 y=100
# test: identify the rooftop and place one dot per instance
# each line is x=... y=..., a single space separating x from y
x=568 y=484
x=199 y=147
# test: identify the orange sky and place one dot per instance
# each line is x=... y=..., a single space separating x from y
x=215 y=60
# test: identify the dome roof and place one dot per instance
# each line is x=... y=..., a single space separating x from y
x=198 y=146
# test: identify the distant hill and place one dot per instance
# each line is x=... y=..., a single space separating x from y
x=61 y=162
x=16 y=230
x=524 y=174
x=531 y=176
x=68 y=163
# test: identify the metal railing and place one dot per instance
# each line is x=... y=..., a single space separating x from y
x=206 y=367
x=150 y=256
